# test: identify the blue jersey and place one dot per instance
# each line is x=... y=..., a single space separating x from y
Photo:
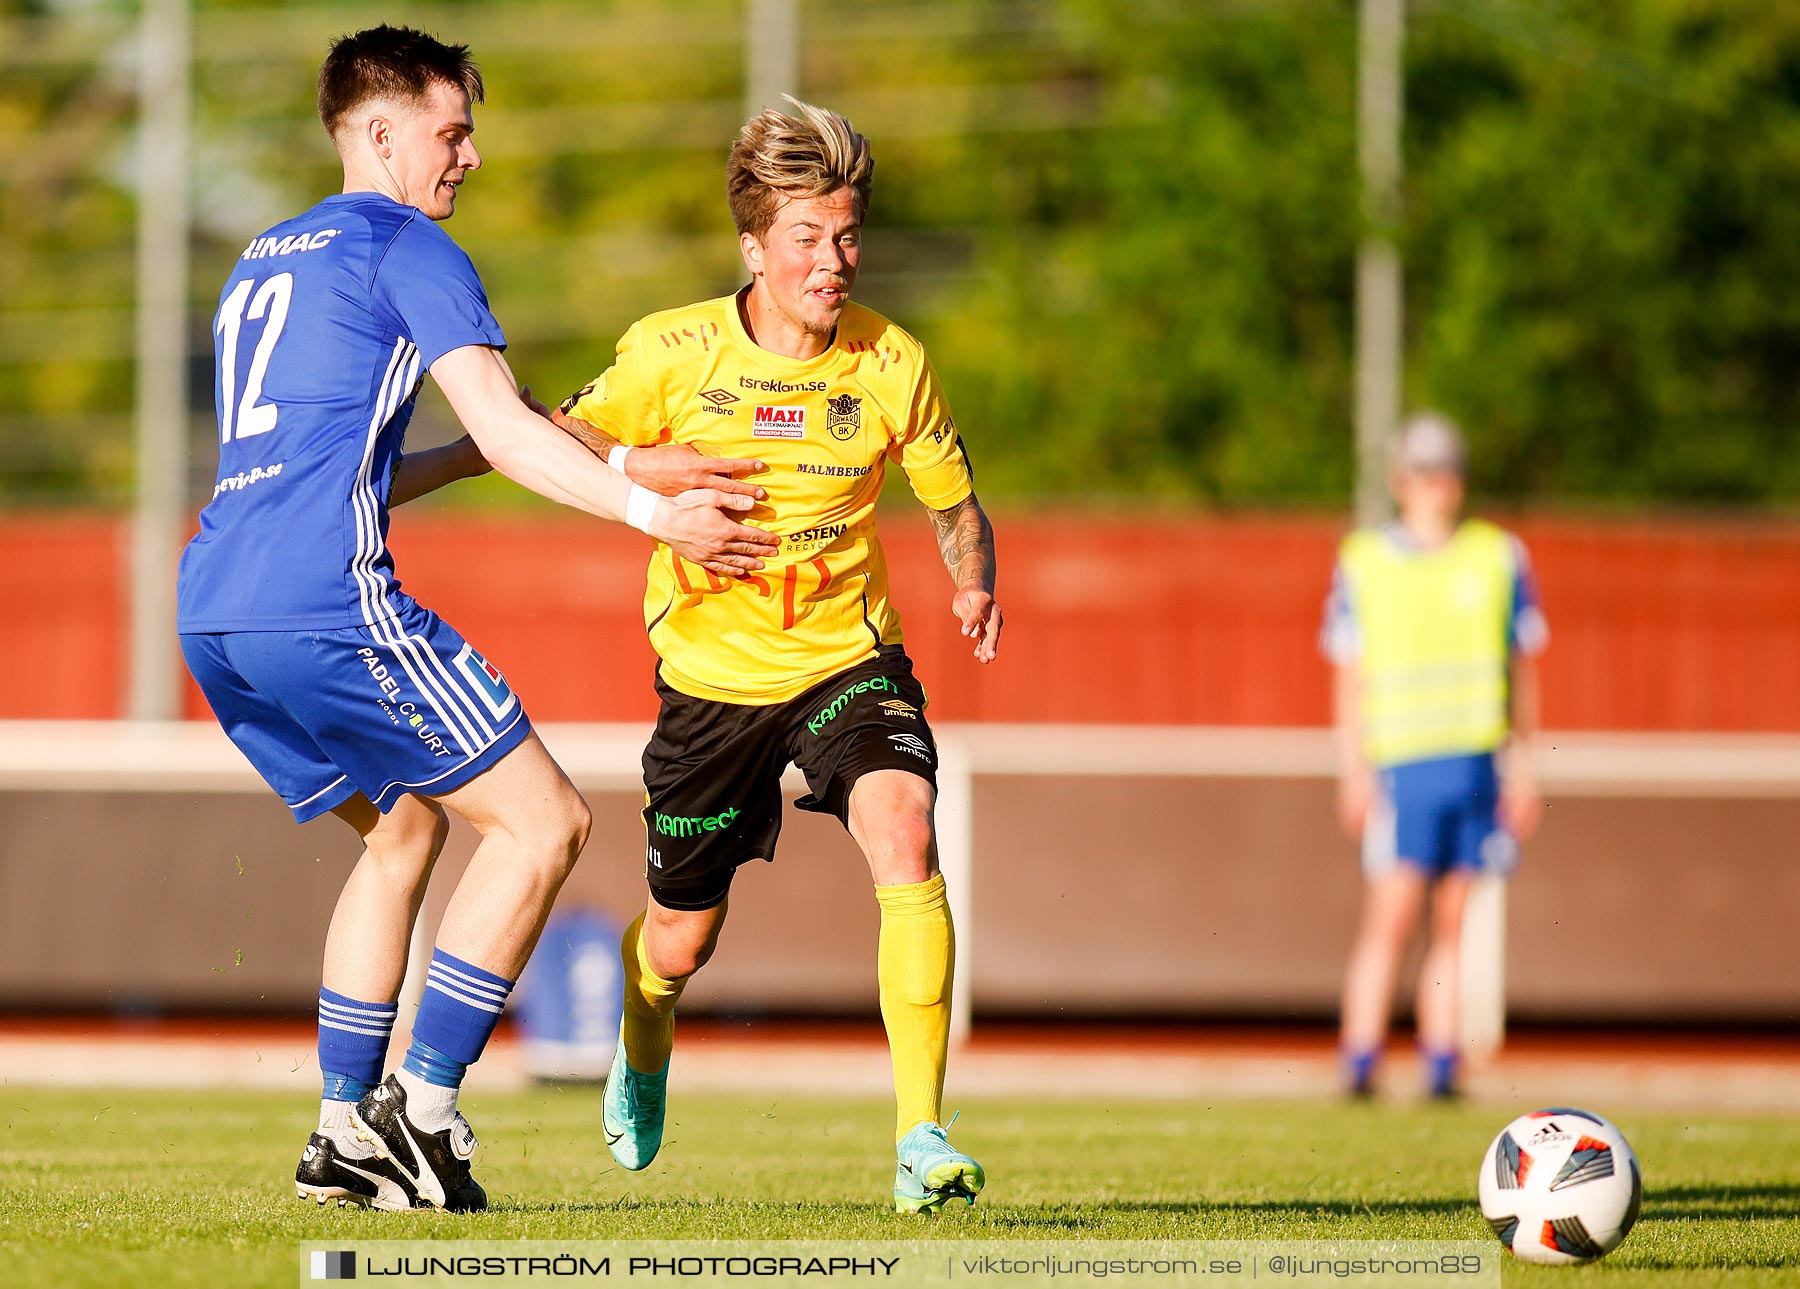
x=325 y=328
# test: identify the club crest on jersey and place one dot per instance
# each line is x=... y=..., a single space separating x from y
x=779 y=423
x=843 y=416
x=489 y=685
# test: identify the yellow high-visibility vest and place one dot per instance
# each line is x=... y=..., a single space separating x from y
x=1435 y=641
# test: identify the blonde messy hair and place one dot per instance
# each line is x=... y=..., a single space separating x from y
x=778 y=158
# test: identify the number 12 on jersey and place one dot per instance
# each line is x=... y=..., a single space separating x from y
x=271 y=300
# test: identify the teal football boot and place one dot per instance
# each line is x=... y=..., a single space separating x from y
x=631 y=1111
x=931 y=1172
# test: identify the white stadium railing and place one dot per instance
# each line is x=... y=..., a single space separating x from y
x=80 y=756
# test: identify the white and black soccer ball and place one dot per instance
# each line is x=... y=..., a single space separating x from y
x=1560 y=1186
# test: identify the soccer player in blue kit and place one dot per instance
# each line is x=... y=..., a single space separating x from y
x=343 y=692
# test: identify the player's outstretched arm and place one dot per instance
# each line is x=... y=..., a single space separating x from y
x=421 y=472
x=966 y=541
x=668 y=469
x=529 y=450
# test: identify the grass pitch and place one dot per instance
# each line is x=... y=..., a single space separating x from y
x=132 y=1187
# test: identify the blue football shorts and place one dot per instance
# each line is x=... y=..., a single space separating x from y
x=1438 y=816
x=324 y=714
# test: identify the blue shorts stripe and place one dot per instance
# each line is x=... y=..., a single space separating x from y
x=470 y=707
x=327 y=713
x=412 y=652
x=464 y=719
x=501 y=742
x=406 y=652
x=321 y=792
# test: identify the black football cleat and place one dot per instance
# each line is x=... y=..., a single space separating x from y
x=436 y=1163
x=326 y=1173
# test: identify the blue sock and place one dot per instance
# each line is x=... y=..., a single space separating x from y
x=353 y=1042
x=1440 y=1073
x=462 y=1005
x=1359 y=1070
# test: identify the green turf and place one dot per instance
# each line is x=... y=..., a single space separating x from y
x=130 y=1187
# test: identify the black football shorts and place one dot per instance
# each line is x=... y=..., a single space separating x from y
x=712 y=771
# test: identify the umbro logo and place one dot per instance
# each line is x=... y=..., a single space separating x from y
x=913 y=744
x=719 y=402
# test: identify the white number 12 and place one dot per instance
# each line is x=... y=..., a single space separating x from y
x=272 y=299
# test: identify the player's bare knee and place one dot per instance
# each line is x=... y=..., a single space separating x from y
x=1396 y=931
x=674 y=957
x=678 y=943
x=901 y=847
x=1387 y=928
x=579 y=823
x=555 y=831
x=674 y=962
x=409 y=838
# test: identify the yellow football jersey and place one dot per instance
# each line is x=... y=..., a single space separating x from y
x=826 y=428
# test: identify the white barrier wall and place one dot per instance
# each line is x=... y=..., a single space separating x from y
x=1109 y=871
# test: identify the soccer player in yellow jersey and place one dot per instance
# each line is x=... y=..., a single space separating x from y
x=813 y=397
x=1434 y=626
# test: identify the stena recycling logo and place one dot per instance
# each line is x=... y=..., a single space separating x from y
x=779 y=423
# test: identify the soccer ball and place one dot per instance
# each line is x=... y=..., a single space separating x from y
x=1560 y=1186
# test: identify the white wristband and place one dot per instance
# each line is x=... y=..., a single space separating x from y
x=616 y=458
x=640 y=507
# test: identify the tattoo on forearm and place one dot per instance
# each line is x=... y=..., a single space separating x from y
x=966 y=541
x=585 y=434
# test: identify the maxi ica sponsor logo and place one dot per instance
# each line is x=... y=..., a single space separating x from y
x=779 y=423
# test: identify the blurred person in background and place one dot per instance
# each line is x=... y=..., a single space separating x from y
x=345 y=693
x=803 y=664
x=1434 y=627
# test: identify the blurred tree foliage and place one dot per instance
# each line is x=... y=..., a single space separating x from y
x=1601 y=223
x=1125 y=228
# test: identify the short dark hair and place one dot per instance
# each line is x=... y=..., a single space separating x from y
x=389 y=62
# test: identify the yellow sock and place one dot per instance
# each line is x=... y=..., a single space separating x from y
x=914 y=965
x=649 y=1023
